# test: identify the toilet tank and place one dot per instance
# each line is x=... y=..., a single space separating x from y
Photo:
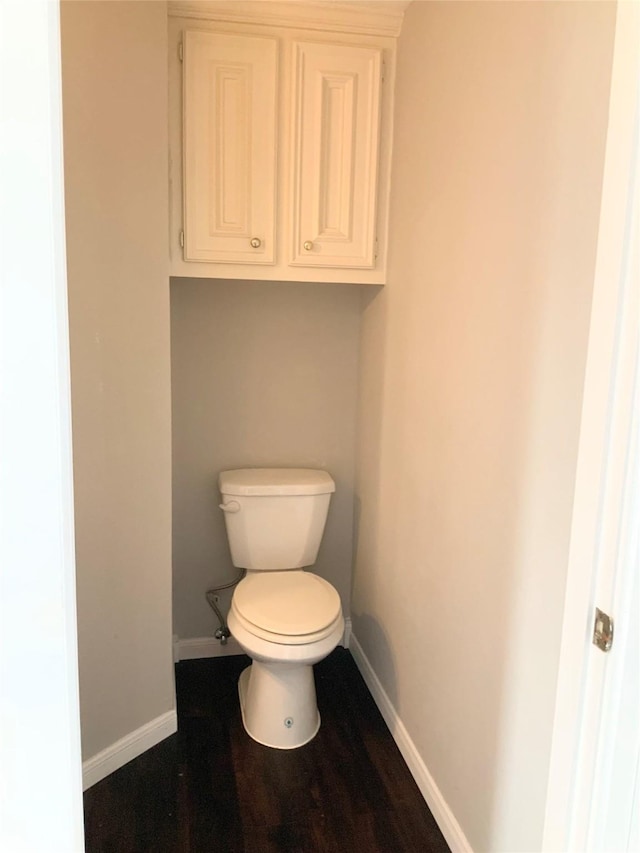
x=275 y=517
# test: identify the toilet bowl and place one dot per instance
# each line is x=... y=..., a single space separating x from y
x=285 y=621
x=285 y=618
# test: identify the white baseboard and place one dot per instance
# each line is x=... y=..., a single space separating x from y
x=209 y=647
x=128 y=748
x=204 y=647
x=346 y=637
x=445 y=818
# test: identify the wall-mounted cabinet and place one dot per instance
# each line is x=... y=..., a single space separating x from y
x=280 y=147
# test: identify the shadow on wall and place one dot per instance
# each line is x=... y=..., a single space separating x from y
x=369 y=633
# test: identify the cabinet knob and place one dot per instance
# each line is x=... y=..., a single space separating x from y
x=256 y=242
x=308 y=245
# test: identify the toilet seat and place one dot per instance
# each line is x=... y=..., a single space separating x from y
x=287 y=607
x=287 y=639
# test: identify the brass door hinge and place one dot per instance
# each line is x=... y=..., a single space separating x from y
x=602 y=631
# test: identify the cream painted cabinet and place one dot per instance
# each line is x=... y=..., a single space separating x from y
x=230 y=113
x=336 y=118
x=280 y=136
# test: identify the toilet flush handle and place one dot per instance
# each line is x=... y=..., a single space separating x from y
x=232 y=506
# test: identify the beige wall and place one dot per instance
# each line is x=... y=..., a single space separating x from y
x=472 y=367
x=263 y=374
x=115 y=150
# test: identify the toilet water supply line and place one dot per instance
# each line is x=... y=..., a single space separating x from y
x=223 y=633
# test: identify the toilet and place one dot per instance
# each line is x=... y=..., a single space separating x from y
x=285 y=618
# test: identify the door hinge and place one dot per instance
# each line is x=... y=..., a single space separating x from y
x=181 y=52
x=384 y=71
x=182 y=239
x=602 y=631
x=375 y=250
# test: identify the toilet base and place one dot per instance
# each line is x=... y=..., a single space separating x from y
x=278 y=703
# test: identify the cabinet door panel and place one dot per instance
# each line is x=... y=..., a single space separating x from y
x=230 y=105
x=336 y=131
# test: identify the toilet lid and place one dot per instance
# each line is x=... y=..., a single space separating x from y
x=289 y=603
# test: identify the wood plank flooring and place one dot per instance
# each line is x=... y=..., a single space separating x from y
x=211 y=789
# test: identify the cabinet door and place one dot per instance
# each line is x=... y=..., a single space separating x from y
x=230 y=107
x=336 y=114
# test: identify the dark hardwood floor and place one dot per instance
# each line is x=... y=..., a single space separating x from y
x=211 y=789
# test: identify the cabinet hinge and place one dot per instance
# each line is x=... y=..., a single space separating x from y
x=384 y=71
x=375 y=250
x=182 y=239
x=181 y=52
